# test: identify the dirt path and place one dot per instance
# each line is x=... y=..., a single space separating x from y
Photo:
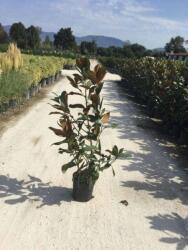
x=38 y=213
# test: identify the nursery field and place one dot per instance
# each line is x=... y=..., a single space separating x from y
x=22 y=76
x=161 y=85
x=143 y=207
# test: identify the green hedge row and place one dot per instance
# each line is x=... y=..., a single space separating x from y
x=161 y=84
x=21 y=84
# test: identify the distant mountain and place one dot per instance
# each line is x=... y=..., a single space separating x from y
x=101 y=41
x=49 y=34
x=159 y=50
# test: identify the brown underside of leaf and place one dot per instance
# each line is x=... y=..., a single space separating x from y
x=105 y=118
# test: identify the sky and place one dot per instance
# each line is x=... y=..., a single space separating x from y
x=149 y=22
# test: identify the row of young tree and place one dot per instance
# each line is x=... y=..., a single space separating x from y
x=30 y=38
x=24 y=37
x=176 y=45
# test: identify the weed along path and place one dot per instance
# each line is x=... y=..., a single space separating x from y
x=38 y=213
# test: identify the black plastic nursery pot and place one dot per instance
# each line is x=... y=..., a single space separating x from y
x=4 y=107
x=13 y=103
x=43 y=83
x=53 y=79
x=57 y=76
x=82 y=191
x=48 y=81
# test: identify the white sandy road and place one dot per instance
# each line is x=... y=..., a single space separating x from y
x=36 y=209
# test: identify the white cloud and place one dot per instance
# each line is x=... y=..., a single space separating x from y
x=135 y=20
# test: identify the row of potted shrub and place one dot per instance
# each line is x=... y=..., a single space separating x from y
x=161 y=84
x=17 y=96
x=22 y=76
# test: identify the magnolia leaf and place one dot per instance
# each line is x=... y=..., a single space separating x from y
x=86 y=110
x=62 y=150
x=100 y=73
x=99 y=88
x=85 y=86
x=92 y=118
x=115 y=151
x=72 y=82
x=121 y=151
x=58 y=132
x=107 y=165
x=55 y=94
x=76 y=106
x=101 y=106
x=96 y=129
x=92 y=77
x=105 y=118
x=67 y=166
x=96 y=68
x=68 y=129
x=99 y=146
x=91 y=89
x=89 y=148
x=62 y=108
x=74 y=93
x=55 y=99
x=95 y=99
x=77 y=78
x=62 y=123
x=60 y=142
x=55 y=113
x=64 y=98
x=83 y=63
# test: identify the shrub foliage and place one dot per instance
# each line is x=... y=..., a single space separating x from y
x=159 y=83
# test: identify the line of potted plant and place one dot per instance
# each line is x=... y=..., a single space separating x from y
x=81 y=126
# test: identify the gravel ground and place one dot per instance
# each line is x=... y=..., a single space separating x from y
x=38 y=213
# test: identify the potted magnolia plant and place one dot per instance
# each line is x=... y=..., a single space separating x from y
x=81 y=125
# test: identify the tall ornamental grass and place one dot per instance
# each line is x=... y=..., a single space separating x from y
x=12 y=59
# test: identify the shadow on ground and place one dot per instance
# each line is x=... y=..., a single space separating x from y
x=163 y=166
x=14 y=191
x=175 y=229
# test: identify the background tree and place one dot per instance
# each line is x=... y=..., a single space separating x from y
x=101 y=51
x=127 y=51
x=33 y=37
x=18 y=35
x=175 y=45
x=64 y=39
x=88 y=48
x=47 y=44
x=138 y=50
x=3 y=35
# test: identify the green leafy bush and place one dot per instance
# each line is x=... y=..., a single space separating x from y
x=159 y=83
x=13 y=85
x=39 y=67
x=80 y=131
x=15 y=81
